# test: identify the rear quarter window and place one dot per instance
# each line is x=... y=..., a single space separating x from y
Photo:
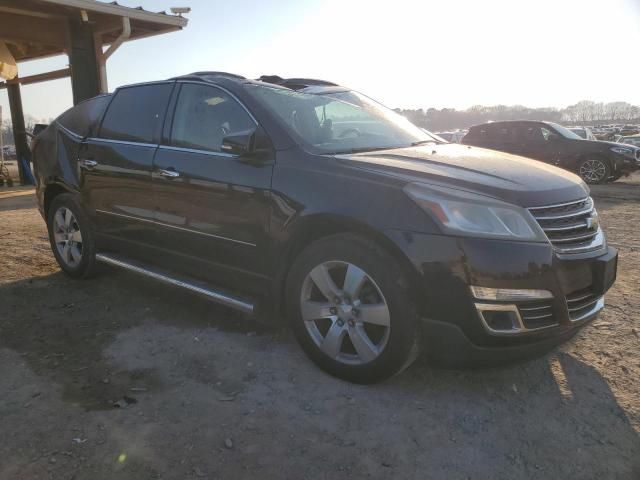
x=83 y=118
x=135 y=113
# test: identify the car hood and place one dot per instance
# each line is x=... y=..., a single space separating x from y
x=517 y=180
x=615 y=144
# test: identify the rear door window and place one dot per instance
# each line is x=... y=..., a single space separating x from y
x=504 y=134
x=135 y=113
x=527 y=134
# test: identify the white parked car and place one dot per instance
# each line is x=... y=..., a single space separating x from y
x=452 y=137
x=583 y=132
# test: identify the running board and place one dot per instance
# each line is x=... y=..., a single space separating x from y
x=199 y=288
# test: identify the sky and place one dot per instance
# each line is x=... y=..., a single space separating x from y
x=403 y=53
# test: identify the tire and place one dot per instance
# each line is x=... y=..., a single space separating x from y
x=353 y=348
x=594 y=170
x=73 y=245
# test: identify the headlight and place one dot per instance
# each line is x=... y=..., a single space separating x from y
x=464 y=213
x=628 y=152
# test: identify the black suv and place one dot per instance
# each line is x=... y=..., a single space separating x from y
x=301 y=199
x=594 y=161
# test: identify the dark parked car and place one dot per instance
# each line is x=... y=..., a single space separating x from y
x=304 y=200
x=594 y=161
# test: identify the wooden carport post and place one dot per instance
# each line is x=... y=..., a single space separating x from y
x=85 y=83
x=19 y=131
x=85 y=80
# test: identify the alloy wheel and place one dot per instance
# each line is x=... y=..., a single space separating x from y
x=67 y=237
x=345 y=312
x=593 y=171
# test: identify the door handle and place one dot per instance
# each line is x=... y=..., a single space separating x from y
x=88 y=163
x=168 y=173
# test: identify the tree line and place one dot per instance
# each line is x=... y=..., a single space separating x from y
x=6 y=129
x=582 y=113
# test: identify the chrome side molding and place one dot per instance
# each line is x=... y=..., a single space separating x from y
x=216 y=296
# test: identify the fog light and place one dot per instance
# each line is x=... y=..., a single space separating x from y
x=500 y=319
x=508 y=294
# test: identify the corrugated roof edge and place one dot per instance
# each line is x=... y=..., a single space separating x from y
x=114 y=8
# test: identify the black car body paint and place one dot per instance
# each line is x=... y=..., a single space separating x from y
x=239 y=222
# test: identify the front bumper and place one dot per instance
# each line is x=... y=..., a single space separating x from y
x=625 y=165
x=445 y=268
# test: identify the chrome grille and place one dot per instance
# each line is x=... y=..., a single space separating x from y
x=536 y=315
x=581 y=302
x=570 y=226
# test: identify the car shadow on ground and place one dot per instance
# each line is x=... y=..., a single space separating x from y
x=61 y=327
x=498 y=421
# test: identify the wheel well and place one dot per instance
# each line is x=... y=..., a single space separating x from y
x=319 y=228
x=52 y=191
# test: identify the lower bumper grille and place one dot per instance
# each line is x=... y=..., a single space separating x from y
x=582 y=303
x=513 y=318
x=537 y=314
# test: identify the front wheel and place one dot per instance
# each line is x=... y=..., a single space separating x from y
x=594 y=170
x=351 y=311
x=71 y=236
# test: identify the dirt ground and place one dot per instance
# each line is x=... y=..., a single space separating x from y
x=202 y=393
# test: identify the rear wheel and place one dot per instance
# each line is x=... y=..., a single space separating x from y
x=594 y=170
x=350 y=309
x=71 y=237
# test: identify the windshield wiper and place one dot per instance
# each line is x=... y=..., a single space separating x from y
x=422 y=142
x=363 y=149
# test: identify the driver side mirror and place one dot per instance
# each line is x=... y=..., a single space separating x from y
x=240 y=143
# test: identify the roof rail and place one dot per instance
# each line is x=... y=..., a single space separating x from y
x=295 y=83
x=210 y=74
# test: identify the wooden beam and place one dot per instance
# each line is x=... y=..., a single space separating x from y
x=41 y=77
x=30 y=13
x=25 y=29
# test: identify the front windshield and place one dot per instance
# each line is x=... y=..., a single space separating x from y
x=565 y=132
x=339 y=122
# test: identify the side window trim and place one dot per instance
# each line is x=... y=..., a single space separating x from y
x=157 y=135
x=122 y=142
x=165 y=140
x=231 y=94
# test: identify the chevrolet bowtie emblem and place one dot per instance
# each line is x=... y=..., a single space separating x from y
x=592 y=222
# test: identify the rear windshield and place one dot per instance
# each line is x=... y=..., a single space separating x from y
x=565 y=132
x=580 y=132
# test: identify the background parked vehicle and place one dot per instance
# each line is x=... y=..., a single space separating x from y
x=631 y=140
x=583 y=132
x=9 y=152
x=452 y=137
x=594 y=161
x=605 y=134
x=629 y=130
